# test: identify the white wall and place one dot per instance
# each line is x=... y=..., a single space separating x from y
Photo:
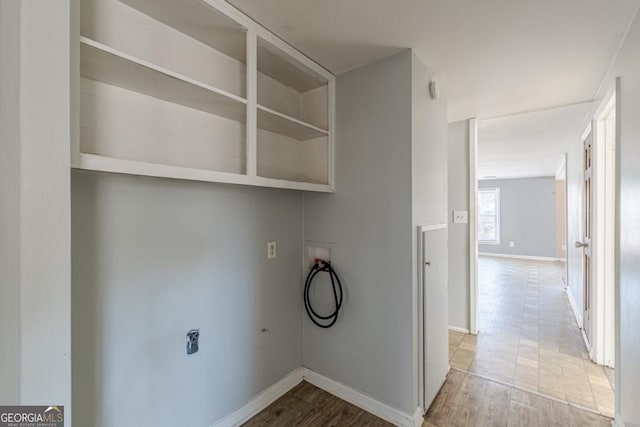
x=35 y=194
x=9 y=202
x=627 y=67
x=628 y=222
x=527 y=216
x=153 y=258
x=383 y=118
x=458 y=199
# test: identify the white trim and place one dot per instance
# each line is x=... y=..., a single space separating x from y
x=574 y=307
x=561 y=174
x=262 y=400
x=587 y=131
x=419 y=343
x=457 y=329
x=361 y=400
x=473 y=226
x=251 y=149
x=133 y=167
x=529 y=257
x=418 y=417
x=602 y=242
x=344 y=392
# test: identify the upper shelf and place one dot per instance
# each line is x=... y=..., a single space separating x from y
x=274 y=63
x=200 y=21
x=273 y=121
x=102 y=63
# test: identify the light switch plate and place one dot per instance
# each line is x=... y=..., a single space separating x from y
x=271 y=250
x=460 y=217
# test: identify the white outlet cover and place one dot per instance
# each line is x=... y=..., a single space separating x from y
x=271 y=250
x=460 y=217
x=512 y=244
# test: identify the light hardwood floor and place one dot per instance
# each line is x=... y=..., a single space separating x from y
x=529 y=339
x=468 y=400
x=465 y=400
x=529 y=336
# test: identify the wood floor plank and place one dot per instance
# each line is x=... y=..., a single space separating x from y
x=481 y=402
x=442 y=404
x=286 y=411
x=522 y=415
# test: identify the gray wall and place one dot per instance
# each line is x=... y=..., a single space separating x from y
x=368 y=220
x=527 y=216
x=429 y=207
x=9 y=202
x=383 y=132
x=153 y=258
x=459 y=278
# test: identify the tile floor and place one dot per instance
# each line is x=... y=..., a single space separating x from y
x=529 y=336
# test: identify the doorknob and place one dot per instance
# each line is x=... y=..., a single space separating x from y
x=427 y=263
x=581 y=245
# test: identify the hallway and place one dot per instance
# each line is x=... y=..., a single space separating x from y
x=529 y=336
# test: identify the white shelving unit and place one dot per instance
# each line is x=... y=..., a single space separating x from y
x=194 y=89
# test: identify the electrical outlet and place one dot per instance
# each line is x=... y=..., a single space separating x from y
x=512 y=244
x=192 y=340
x=271 y=250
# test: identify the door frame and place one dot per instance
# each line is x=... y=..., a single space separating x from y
x=603 y=237
x=421 y=311
x=473 y=226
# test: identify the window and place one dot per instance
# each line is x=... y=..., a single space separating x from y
x=489 y=216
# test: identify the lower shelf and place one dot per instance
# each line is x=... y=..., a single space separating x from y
x=131 y=167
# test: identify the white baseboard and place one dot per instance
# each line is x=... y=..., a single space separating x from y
x=355 y=397
x=261 y=401
x=418 y=417
x=529 y=257
x=363 y=401
x=617 y=422
x=574 y=307
x=456 y=329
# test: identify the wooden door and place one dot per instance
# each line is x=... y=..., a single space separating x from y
x=436 y=311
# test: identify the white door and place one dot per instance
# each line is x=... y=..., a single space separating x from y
x=436 y=311
x=587 y=231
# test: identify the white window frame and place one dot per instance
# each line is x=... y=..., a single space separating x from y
x=495 y=190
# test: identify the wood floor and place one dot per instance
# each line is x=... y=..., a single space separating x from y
x=529 y=336
x=307 y=405
x=465 y=400
x=528 y=339
x=468 y=400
